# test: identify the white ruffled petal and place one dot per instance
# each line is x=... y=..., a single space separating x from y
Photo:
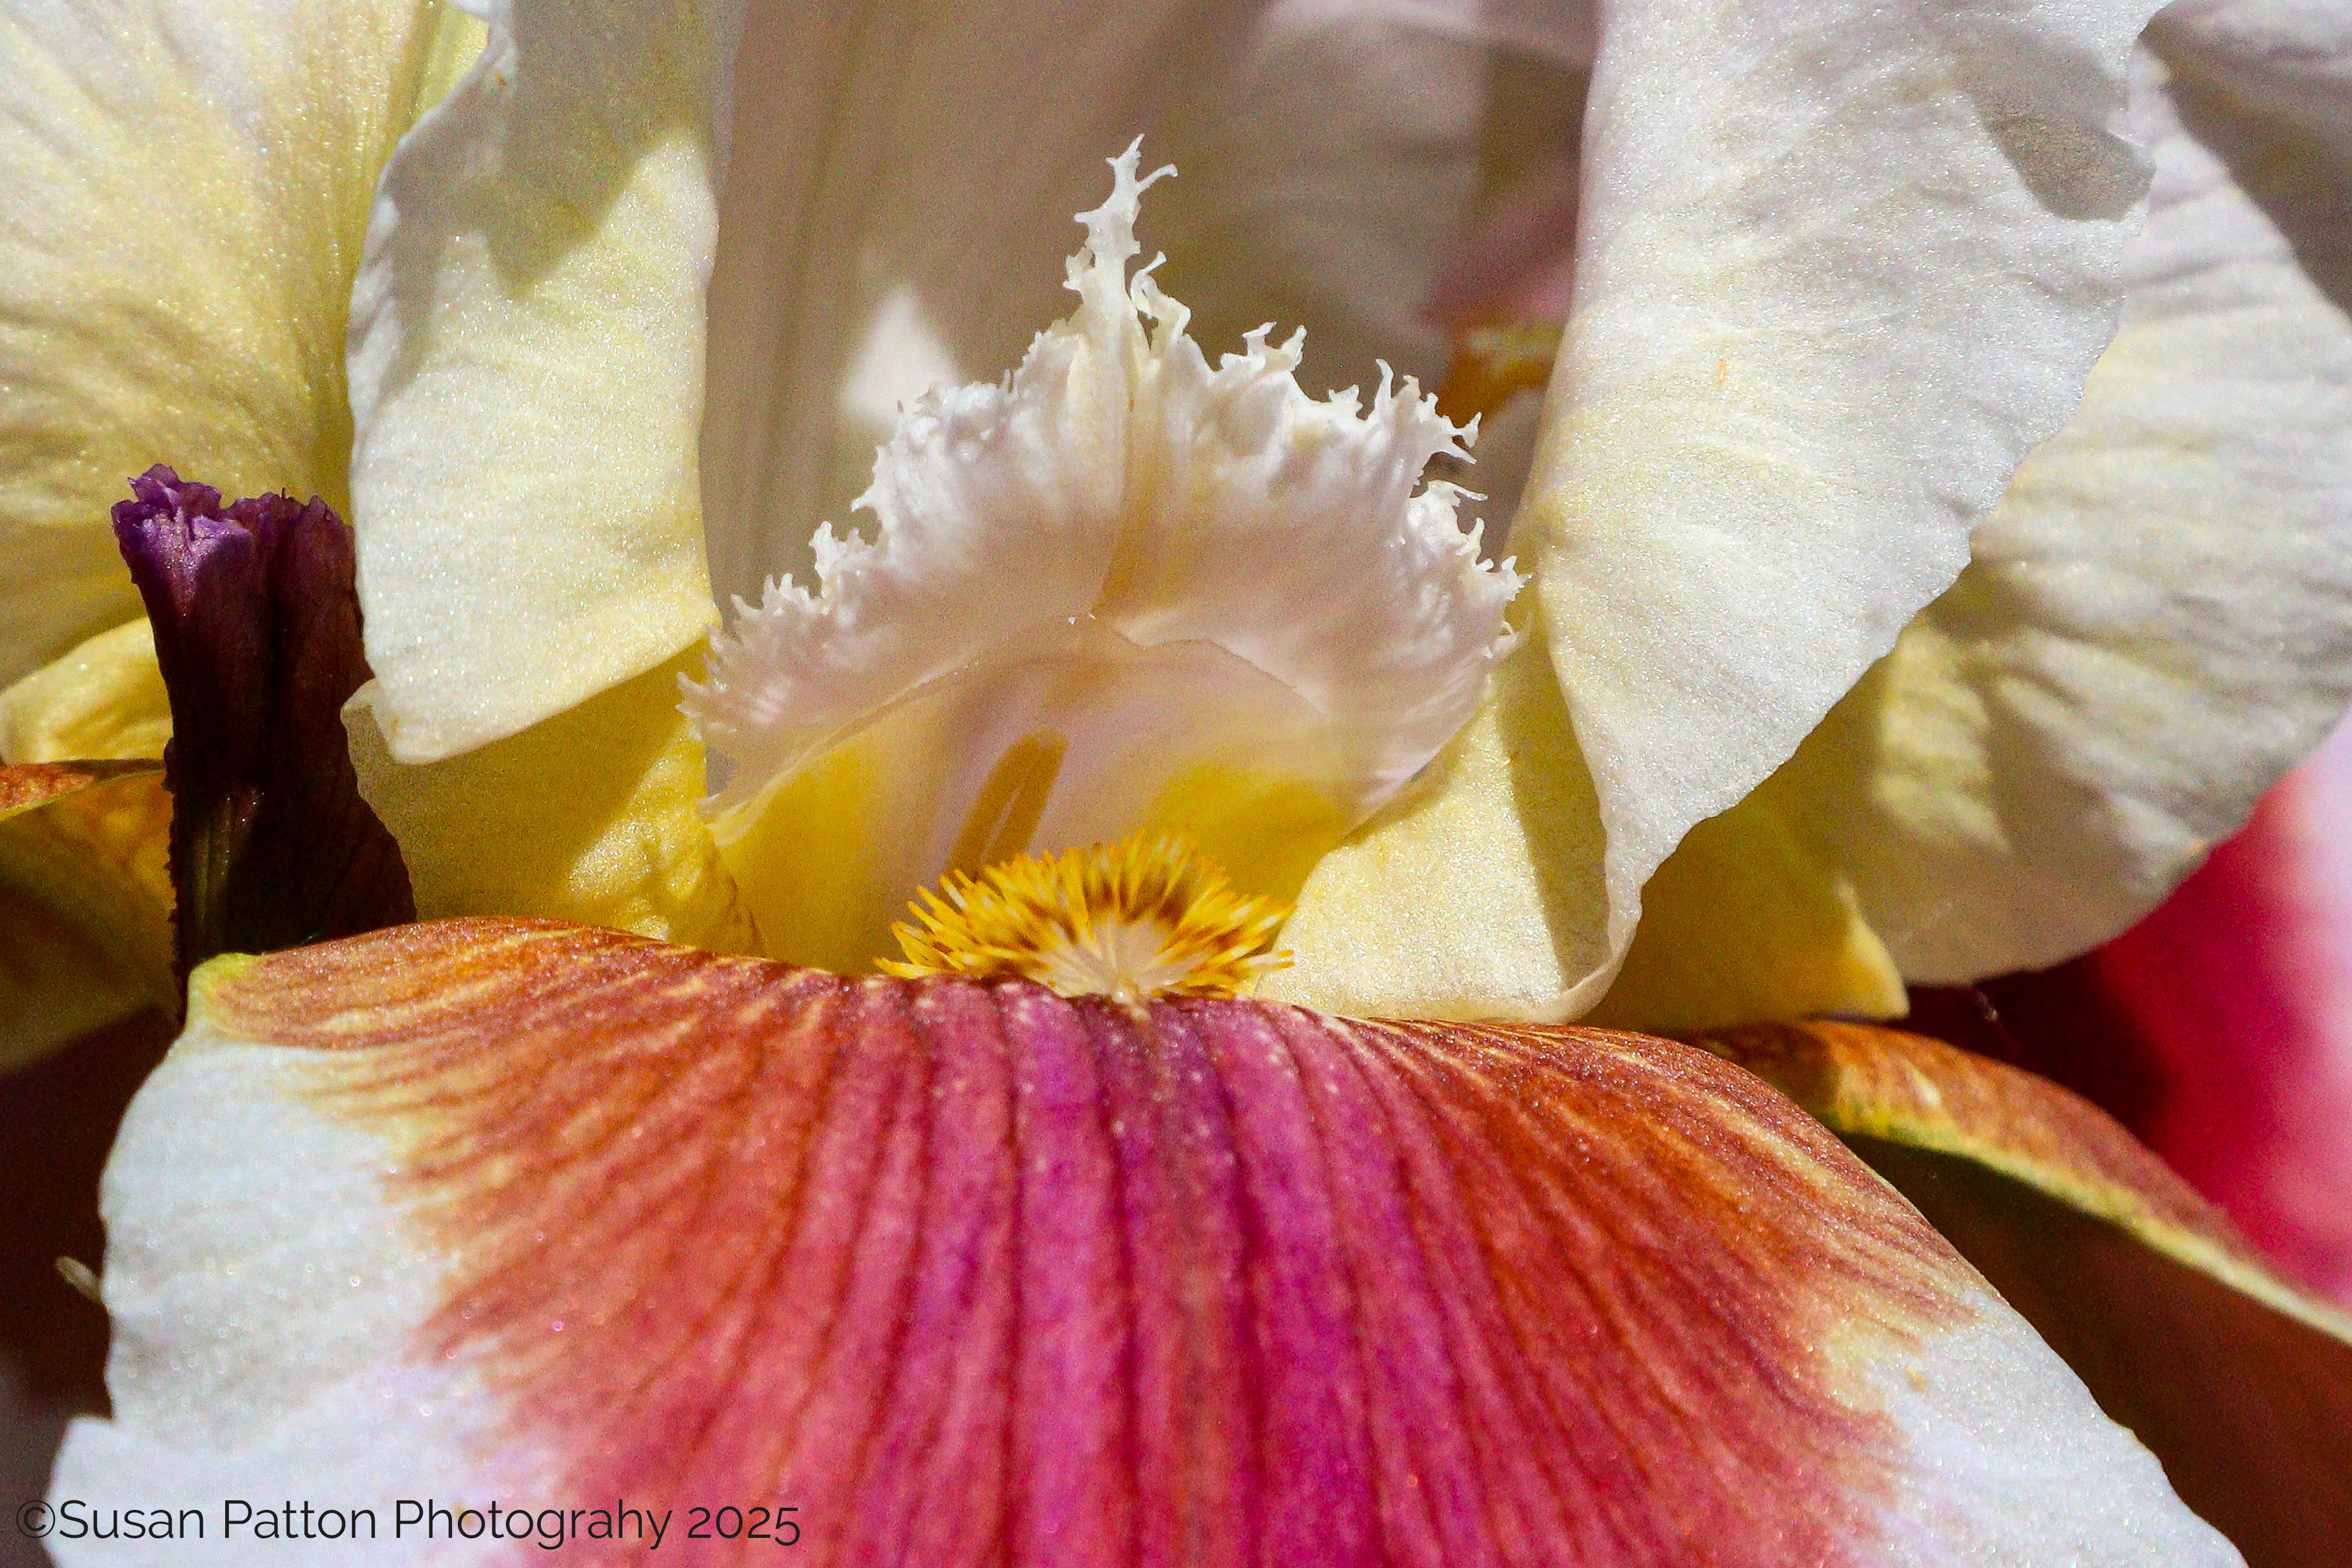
x=1329 y=151
x=1121 y=588
x=893 y=221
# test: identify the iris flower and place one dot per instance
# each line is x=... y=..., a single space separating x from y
x=900 y=1061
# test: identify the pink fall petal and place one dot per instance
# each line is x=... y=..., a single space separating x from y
x=2240 y=987
x=972 y=1274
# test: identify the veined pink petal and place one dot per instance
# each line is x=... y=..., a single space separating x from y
x=966 y=1274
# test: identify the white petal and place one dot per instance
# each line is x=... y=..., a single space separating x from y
x=309 y=1378
x=915 y=167
x=1330 y=149
x=187 y=185
x=2157 y=622
x=1157 y=592
x=526 y=363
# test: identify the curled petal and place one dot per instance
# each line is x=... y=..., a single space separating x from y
x=2218 y=1028
x=2157 y=622
x=2239 y=1381
x=526 y=363
x=972 y=1274
x=103 y=699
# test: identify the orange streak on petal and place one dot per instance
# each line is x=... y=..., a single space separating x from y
x=1886 y=1083
x=31 y=784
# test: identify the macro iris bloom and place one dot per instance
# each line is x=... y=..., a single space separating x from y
x=900 y=1057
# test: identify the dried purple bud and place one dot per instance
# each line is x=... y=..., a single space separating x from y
x=258 y=632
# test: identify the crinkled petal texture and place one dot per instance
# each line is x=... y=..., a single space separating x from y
x=962 y=1274
x=1121 y=589
x=2158 y=621
x=188 y=182
x=894 y=219
x=1839 y=266
x=526 y=370
x=847 y=274
x=1329 y=153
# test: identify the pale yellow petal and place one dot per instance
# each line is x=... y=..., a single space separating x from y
x=527 y=367
x=99 y=861
x=1746 y=921
x=590 y=816
x=1478 y=893
x=187 y=185
x=103 y=700
x=85 y=879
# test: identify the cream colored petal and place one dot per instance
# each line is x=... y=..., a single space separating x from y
x=898 y=186
x=590 y=815
x=1338 y=173
x=1325 y=176
x=1478 y=893
x=2157 y=622
x=526 y=365
x=1331 y=153
x=1838 y=267
x=187 y=182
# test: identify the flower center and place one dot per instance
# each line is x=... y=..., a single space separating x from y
x=1149 y=916
x=1122 y=591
